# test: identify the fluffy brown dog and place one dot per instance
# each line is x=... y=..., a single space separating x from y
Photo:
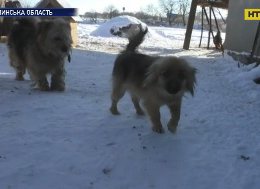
x=41 y=47
x=156 y=81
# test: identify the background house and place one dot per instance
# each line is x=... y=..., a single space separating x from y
x=62 y=4
x=240 y=34
x=7 y=22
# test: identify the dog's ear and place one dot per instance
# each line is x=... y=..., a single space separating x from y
x=190 y=76
x=152 y=75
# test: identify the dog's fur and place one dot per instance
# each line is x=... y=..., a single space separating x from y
x=41 y=47
x=155 y=80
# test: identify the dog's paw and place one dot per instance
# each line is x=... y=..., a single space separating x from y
x=44 y=88
x=140 y=112
x=158 y=129
x=57 y=87
x=19 y=77
x=172 y=125
x=42 y=85
x=172 y=129
x=114 y=111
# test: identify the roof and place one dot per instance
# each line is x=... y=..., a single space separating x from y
x=57 y=4
x=214 y=3
x=10 y=4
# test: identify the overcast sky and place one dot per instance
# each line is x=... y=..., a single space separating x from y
x=100 y=5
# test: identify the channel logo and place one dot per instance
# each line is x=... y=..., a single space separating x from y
x=252 y=14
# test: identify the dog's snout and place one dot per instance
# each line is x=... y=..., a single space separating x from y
x=173 y=88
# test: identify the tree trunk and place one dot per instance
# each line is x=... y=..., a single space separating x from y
x=183 y=20
x=170 y=21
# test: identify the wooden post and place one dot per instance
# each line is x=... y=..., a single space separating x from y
x=202 y=23
x=207 y=17
x=1 y=18
x=256 y=39
x=216 y=22
x=210 y=26
x=221 y=17
x=193 y=7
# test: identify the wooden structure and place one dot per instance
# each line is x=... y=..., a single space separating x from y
x=62 y=4
x=223 y=4
x=204 y=3
x=2 y=4
x=243 y=36
x=7 y=22
x=1 y=21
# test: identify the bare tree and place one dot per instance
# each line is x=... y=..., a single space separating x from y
x=152 y=10
x=112 y=11
x=92 y=15
x=141 y=15
x=183 y=9
x=168 y=7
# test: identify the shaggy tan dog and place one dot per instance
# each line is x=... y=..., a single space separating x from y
x=156 y=81
x=41 y=47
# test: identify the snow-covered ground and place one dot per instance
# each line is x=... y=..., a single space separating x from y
x=158 y=40
x=69 y=140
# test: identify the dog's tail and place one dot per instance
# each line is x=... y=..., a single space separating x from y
x=135 y=41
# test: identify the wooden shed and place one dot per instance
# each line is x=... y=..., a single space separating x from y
x=62 y=4
x=6 y=23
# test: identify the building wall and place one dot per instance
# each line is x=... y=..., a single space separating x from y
x=240 y=34
x=1 y=5
x=74 y=33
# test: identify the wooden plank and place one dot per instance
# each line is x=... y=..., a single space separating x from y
x=207 y=17
x=190 y=24
x=202 y=25
x=222 y=5
x=210 y=27
x=256 y=39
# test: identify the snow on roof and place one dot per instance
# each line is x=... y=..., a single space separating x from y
x=64 y=3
